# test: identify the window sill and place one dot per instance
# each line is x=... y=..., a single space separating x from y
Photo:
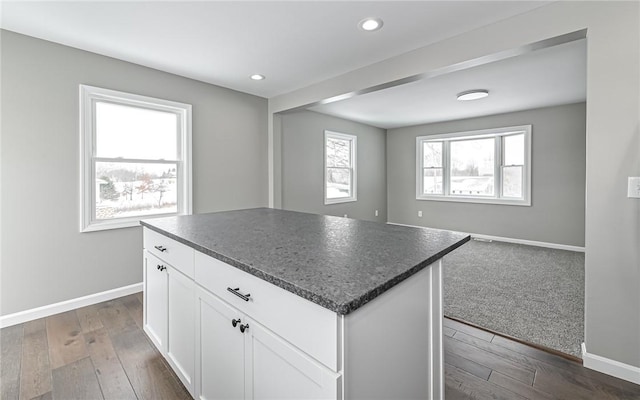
x=105 y=225
x=338 y=201
x=477 y=200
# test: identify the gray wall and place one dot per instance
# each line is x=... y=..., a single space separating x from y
x=303 y=166
x=44 y=257
x=612 y=224
x=557 y=209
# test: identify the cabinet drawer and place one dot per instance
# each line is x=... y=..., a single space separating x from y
x=177 y=254
x=306 y=325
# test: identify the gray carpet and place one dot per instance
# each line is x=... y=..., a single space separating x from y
x=531 y=293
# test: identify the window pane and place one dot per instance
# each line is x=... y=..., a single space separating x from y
x=514 y=150
x=132 y=132
x=338 y=152
x=432 y=181
x=432 y=152
x=512 y=182
x=338 y=183
x=127 y=189
x=472 y=167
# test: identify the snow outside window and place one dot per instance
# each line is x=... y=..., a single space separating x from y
x=339 y=167
x=484 y=166
x=135 y=158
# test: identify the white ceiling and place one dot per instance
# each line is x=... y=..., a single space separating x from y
x=294 y=43
x=548 y=77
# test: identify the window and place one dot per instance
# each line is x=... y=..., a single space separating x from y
x=485 y=166
x=339 y=167
x=135 y=158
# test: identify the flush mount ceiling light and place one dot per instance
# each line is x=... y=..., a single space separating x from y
x=257 y=77
x=473 y=94
x=370 y=24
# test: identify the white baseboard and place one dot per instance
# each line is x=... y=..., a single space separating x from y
x=67 y=305
x=610 y=367
x=511 y=240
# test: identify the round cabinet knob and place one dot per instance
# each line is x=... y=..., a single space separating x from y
x=244 y=328
x=235 y=322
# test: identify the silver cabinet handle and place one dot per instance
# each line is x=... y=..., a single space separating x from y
x=244 y=297
x=161 y=248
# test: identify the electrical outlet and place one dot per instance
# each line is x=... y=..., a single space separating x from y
x=420 y=214
x=633 y=190
x=376 y=213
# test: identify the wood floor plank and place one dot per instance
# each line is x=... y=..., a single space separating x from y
x=89 y=318
x=134 y=306
x=532 y=352
x=10 y=361
x=46 y=396
x=124 y=364
x=505 y=353
x=513 y=385
x=488 y=359
x=35 y=371
x=148 y=374
x=469 y=366
x=66 y=344
x=111 y=376
x=561 y=387
x=448 y=331
x=76 y=381
x=140 y=296
x=115 y=317
x=451 y=393
x=37 y=325
x=561 y=372
x=469 y=330
x=477 y=388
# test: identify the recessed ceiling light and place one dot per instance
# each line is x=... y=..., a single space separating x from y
x=473 y=94
x=370 y=24
x=257 y=77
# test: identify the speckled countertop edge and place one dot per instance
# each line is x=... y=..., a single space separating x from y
x=343 y=308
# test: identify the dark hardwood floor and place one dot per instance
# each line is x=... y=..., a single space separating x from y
x=101 y=352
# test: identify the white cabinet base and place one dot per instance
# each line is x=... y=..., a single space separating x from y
x=155 y=301
x=390 y=348
x=181 y=323
x=393 y=345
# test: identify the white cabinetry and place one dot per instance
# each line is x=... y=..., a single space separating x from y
x=155 y=300
x=169 y=296
x=247 y=361
x=229 y=335
x=181 y=322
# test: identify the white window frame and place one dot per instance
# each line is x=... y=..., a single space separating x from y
x=353 y=167
x=89 y=95
x=447 y=138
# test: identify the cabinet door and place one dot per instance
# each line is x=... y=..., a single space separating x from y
x=277 y=370
x=181 y=335
x=219 y=349
x=155 y=300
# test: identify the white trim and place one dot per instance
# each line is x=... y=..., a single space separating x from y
x=354 y=166
x=67 y=305
x=498 y=134
x=610 y=367
x=88 y=97
x=509 y=240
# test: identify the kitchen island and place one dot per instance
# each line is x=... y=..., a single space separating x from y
x=272 y=304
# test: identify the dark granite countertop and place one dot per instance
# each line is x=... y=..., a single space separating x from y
x=338 y=263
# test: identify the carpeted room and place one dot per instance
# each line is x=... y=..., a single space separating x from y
x=534 y=294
